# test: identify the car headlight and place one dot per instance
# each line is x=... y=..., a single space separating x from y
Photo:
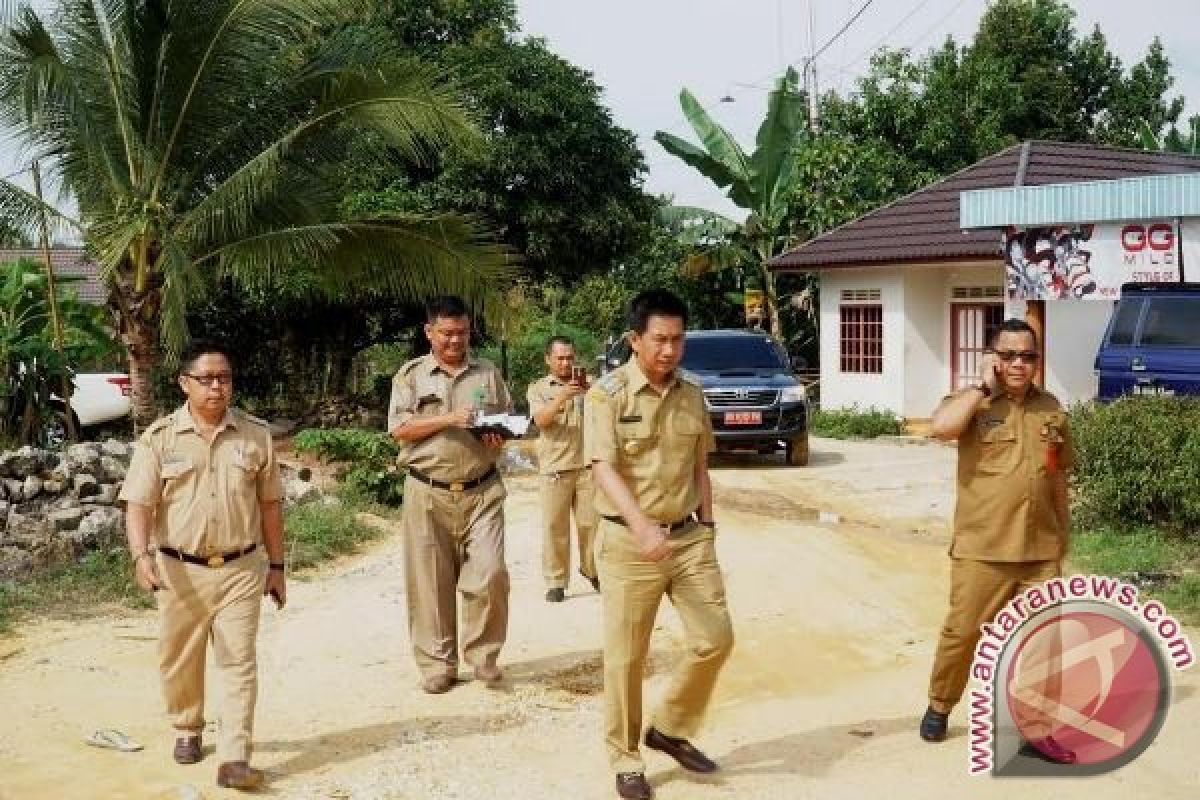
x=793 y=394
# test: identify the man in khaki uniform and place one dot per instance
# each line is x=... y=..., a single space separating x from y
x=648 y=437
x=453 y=516
x=204 y=487
x=1011 y=517
x=556 y=405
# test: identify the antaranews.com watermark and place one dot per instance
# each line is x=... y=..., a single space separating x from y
x=1072 y=677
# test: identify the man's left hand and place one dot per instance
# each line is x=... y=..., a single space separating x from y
x=277 y=585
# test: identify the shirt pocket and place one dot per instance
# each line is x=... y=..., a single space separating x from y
x=686 y=428
x=175 y=475
x=430 y=397
x=635 y=440
x=243 y=470
x=997 y=450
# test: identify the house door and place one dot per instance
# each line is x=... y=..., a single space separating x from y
x=971 y=326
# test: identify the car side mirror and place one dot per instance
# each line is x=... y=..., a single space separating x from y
x=799 y=363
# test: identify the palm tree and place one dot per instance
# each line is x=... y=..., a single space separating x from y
x=200 y=141
x=761 y=183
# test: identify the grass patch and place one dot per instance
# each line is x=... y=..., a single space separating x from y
x=315 y=533
x=1160 y=564
x=100 y=578
x=855 y=423
x=318 y=532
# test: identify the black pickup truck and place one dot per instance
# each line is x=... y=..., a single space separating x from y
x=753 y=398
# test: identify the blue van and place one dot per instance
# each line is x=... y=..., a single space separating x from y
x=1152 y=345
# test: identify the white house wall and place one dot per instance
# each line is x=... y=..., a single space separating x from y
x=845 y=390
x=1073 y=333
x=926 y=338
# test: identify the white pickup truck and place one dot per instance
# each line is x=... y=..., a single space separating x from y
x=98 y=397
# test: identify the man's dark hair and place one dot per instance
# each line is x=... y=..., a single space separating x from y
x=1013 y=326
x=558 y=338
x=655 y=303
x=201 y=347
x=446 y=305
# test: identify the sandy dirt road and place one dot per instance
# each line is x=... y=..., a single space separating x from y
x=835 y=625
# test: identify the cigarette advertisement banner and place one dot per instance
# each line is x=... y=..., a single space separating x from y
x=1091 y=261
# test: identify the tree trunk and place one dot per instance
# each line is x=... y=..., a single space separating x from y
x=138 y=317
x=771 y=298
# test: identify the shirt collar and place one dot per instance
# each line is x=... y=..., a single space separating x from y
x=183 y=420
x=433 y=365
x=638 y=379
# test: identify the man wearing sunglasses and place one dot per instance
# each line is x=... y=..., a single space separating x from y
x=204 y=487
x=1010 y=520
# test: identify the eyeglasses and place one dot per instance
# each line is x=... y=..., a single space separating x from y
x=222 y=379
x=1027 y=356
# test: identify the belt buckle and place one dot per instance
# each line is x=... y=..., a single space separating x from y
x=216 y=561
x=457 y=486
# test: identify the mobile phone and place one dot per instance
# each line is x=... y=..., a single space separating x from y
x=578 y=375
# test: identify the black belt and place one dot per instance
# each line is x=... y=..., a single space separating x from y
x=457 y=486
x=208 y=561
x=690 y=519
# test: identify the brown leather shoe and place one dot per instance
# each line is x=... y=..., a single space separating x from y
x=188 y=750
x=681 y=750
x=438 y=684
x=633 y=786
x=239 y=775
x=490 y=675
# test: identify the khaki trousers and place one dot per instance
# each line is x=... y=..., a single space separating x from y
x=632 y=588
x=454 y=544
x=562 y=493
x=222 y=605
x=978 y=590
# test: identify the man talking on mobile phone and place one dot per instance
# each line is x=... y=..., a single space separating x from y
x=556 y=404
x=648 y=437
x=1011 y=517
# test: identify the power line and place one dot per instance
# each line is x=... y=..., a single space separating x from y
x=916 y=9
x=841 y=31
x=938 y=24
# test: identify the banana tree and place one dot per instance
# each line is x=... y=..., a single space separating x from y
x=760 y=182
x=1173 y=141
x=199 y=140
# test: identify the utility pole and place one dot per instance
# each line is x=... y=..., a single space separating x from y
x=52 y=301
x=810 y=74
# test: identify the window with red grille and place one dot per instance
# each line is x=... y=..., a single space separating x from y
x=862 y=338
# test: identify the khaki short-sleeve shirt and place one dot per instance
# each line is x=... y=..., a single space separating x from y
x=1008 y=460
x=652 y=440
x=424 y=388
x=560 y=444
x=207 y=497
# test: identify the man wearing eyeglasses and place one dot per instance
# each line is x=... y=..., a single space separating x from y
x=1011 y=517
x=204 y=487
x=453 y=502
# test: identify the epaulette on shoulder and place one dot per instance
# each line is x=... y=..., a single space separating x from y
x=251 y=418
x=159 y=424
x=612 y=383
x=409 y=366
x=690 y=377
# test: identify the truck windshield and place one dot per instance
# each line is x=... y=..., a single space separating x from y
x=735 y=353
x=1171 y=322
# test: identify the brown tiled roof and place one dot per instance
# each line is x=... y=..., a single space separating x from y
x=923 y=227
x=67 y=261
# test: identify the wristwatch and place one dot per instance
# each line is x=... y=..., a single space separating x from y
x=280 y=566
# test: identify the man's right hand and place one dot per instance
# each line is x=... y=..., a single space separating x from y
x=653 y=541
x=146 y=574
x=988 y=372
x=568 y=392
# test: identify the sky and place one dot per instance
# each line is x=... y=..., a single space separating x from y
x=644 y=51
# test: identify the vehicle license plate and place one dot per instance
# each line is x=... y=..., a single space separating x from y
x=743 y=418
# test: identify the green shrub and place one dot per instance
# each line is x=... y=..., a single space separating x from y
x=854 y=423
x=372 y=475
x=317 y=533
x=1138 y=463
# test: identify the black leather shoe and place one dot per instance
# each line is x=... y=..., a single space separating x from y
x=188 y=750
x=633 y=786
x=593 y=580
x=681 y=750
x=1048 y=749
x=555 y=595
x=933 y=726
